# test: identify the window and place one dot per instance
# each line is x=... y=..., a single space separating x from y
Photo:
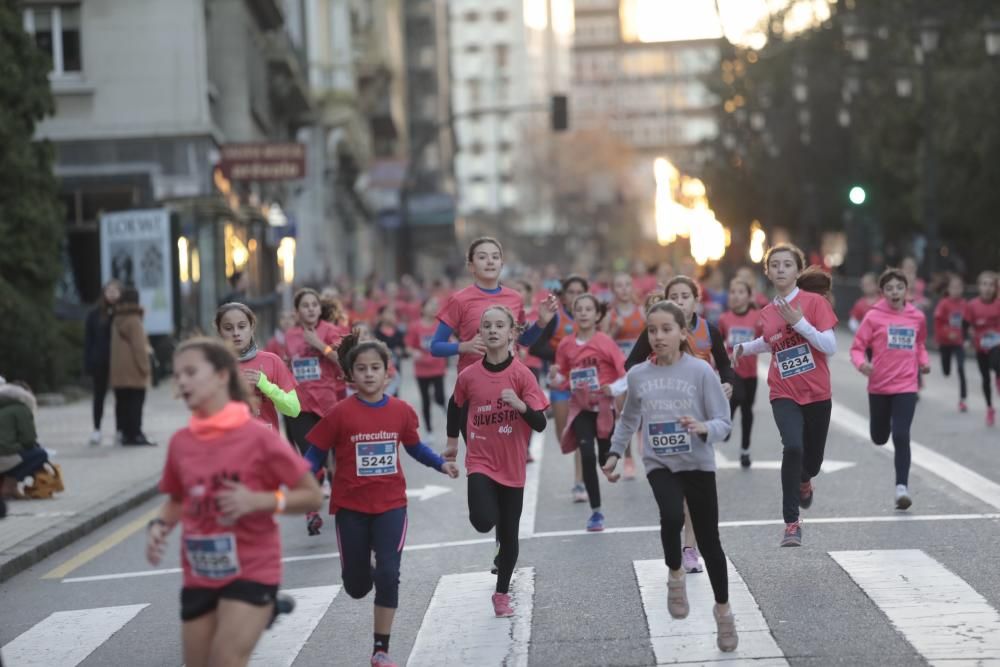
x=500 y=15
x=474 y=92
x=471 y=17
x=502 y=52
x=56 y=30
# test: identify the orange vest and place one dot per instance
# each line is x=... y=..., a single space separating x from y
x=700 y=341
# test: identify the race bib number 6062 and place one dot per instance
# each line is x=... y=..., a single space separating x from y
x=668 y=438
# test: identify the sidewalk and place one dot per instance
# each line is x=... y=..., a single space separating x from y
x=101 y=482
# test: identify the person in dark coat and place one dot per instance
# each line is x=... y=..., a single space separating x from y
x=97 y=352
x=130 y=366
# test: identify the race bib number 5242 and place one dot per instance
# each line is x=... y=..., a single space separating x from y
x=376 y=458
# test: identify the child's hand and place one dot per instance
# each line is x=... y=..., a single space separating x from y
x=692 y=425
x=450 y=469
x=727 y=389
x=609 y=469
x=450 y=450
x=510 y=398
x=156 y=542
x=236 y=500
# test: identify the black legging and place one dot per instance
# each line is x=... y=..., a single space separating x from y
x=959 y=352
x=671 y=489
x=101 y=393
x=585 y=430
x=426 y=384
x=803 y=430
x=893 y=414
x=988 y=361
x=299 y=426
x=744 y=393
x=492 y=504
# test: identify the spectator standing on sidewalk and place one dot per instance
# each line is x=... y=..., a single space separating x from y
x=97 y=352
x=130 y=368
x=20 y=455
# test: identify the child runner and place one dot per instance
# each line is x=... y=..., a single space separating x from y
x=263 y=371
x=388 y=331
x=626 y=323
x=869 y=297
x=428 y=369
x=226 y=476
x=368 y=501
x=534 y=364
x=498 y=404
x=983 y=315
x=895 y=332
x=678 y=400
x=587 y=364
x=798 y=331
x=276 y=345
x=740 y=324
x=949 y=332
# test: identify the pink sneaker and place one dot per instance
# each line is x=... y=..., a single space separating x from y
x=501 y=605
x=962 y=407
x=382 y=659
x=991 y=416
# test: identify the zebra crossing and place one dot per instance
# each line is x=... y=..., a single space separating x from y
x=936 y=611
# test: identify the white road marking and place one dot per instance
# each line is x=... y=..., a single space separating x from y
x=829 y=465
x=530 y=505
x=280 y=645
x=427 y=492
x=944 y=619
x=459 y=627
x=66 y=638
x=924 y=457
x=692 y=640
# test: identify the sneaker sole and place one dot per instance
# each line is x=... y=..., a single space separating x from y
x=504 y=615
x=903 y=503
x=791 y=544
x=693 y=570
x=595 y=530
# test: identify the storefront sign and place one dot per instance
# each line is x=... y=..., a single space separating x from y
x=135 y=249
x=263 y=161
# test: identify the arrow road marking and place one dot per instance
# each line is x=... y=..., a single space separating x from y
x=829 y=465
x=428 y=492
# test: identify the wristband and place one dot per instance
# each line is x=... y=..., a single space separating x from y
x=279 y=498
x=327 y=350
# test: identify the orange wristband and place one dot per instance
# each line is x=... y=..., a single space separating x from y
x=327 y=350
x=279 y=497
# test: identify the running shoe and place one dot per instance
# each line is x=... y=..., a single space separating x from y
x=745 y=460
x=690 y=559
x=962 y=407
x=501 y=605
x=95 y=439
x=595 y=523
x=629 y=470
x=382 y=659
x=677 y=597
x=726 y=638
x=991 y=416
x=793 y=535
x=283 y=604
x=903 y=500
x=806 y=495
x=579 y=493
x=313 y=523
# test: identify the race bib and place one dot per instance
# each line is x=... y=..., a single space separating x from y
x=626 y=346
x=902 y=338
x=989 y=340
x=584 y=378
x=955 y=320
x=375 y=458
x=668 y=438
x=212 y=556
x=795 y=361
x=740 y=335
x=306 y=369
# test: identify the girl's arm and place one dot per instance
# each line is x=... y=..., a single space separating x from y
x=824 y=341
x=720 y=355
x=160 y=527
x=717 y=410
x=236 y=500
x=287 y=402
x=640 y=351
x=862 y=341
x=441 y=344
x=627 y=424
x=428 y=457
x=922 y=357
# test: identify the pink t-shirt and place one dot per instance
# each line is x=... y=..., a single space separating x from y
x=277 y=372
x=497 y=436
x=798 y=371
x=213 y=553
x=463 y=310
x=985 y=320
x=419 y=337
x=592 y=365
x=738 y=329
x=319 y=379
x=948 y=316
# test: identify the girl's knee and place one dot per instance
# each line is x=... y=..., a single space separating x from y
x=357 y=585
x=482 y=524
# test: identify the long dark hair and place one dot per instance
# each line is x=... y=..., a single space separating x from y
x=221 y=358
x=105 y=308
x=599 y=306
x=350 y=348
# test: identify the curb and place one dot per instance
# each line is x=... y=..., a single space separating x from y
x=36 y=548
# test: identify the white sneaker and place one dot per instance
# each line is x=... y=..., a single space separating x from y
x=903 y=500
x=95 y=439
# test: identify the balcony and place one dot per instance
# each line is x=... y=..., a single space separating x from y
x=289 y=87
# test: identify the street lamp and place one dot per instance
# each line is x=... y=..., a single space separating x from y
x=991 y=32
x=930 y=35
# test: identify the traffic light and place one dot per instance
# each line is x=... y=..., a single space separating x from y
x=560 y=113
x=857 y=195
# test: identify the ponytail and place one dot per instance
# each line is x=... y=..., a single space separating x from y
x=816 y=280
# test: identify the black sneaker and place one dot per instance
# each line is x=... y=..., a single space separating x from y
x=793 y=535
x=313 y=523
x=283 y=604
x=745 y=460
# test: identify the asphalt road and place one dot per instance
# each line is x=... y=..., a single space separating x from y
x=870 y=586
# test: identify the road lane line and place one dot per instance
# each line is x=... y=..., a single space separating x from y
x=924 y=457
x=943 y=617
x=66 y=638
x=692 y=639
x=101 y=547
x=459 y=626
x=280 y=645
x=530 y=505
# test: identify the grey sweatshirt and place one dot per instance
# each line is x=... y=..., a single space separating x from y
x=660 y=395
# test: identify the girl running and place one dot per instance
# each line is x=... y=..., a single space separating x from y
x=678 y=400
x=869 y=297
x=534 y=364
x=276 y=345
x=895 y=332
x=740 y=324
x=983 y=315
x=587 y=364
x=626 y=323
x=798 y=331
x=498 y=404
x=428 y=369
x=949 y=332
x=226 y=476
x=263 y=371
x=368 y=501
